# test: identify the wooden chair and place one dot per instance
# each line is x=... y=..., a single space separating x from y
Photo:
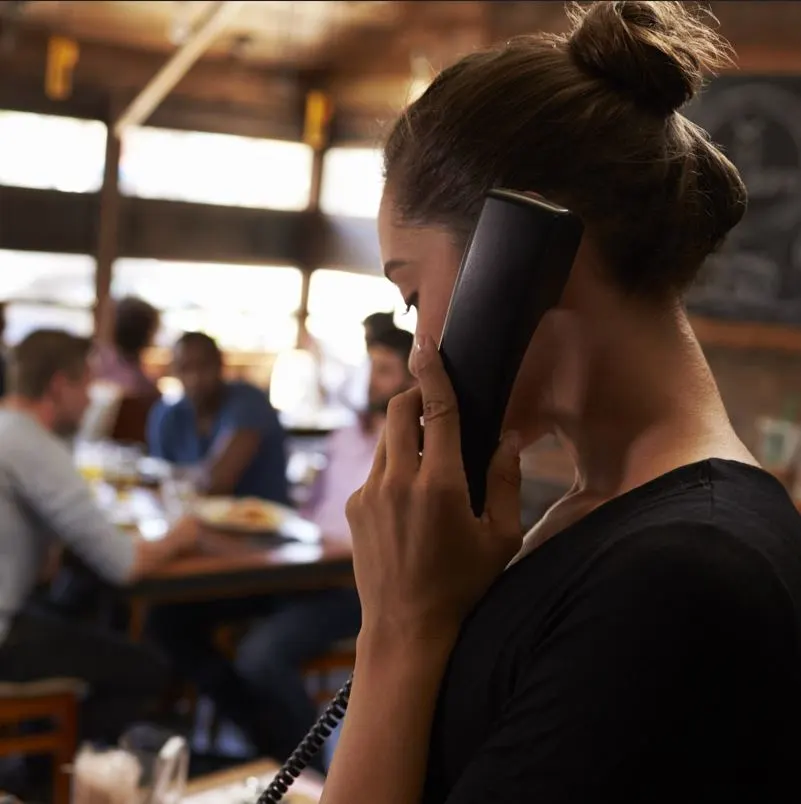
x=54 y=701
x=340 y=659
x=131 y=421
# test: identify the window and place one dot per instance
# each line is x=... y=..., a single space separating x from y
x=46 y=290
x=215 y=169
x=245 y=307
x=338 y=303
x=352 y=182
x=47 y=152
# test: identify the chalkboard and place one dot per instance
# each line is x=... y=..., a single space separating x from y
x=757 y=274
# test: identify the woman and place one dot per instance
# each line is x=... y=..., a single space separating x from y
x=644 y=645
x=135 y=325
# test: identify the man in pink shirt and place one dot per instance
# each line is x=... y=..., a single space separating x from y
x=301 y=627
x=350 y=450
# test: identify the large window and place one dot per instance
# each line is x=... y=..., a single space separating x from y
x=215 y=169
x=352 y=182
x=338 y=303
x=252 y=308
x=47 y=152
x=46 y=290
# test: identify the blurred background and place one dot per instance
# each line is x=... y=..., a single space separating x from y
x=221 y=161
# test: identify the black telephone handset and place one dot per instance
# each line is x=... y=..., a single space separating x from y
x=514 y=270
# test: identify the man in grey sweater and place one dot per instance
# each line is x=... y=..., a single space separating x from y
x=45 y=505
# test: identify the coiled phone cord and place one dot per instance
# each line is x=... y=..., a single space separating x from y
x=308 y=747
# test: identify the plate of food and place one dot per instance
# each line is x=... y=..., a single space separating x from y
x=245 y=515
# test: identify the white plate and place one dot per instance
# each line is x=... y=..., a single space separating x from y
x=222 y=513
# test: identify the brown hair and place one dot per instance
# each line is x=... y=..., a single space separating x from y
x=135 y=323
x=590 y=120
x=35 y=360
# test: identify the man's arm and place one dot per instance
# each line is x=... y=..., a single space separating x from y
x=47 y=482
x=249 y=419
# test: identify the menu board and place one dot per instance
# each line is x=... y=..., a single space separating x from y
x=757 y=274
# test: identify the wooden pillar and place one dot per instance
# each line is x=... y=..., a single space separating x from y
x=107 y=232
x=316 y=133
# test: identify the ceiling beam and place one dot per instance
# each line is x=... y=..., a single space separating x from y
x=117 y=69
x=220 y=14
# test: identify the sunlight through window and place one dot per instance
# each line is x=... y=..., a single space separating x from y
x=245 y=307
x=215 y=169
x=338 y=303
x=47 y=152
x=46 y=290
x=352 y=182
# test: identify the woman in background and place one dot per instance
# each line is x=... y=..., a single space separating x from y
x=642 y=644
x=135 y=325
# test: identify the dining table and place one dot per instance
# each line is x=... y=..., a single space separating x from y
x=244 y=784
x=294 y=556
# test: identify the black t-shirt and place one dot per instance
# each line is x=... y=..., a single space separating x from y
x=649 y=653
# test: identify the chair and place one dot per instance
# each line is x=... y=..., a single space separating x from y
x=340 y=659
x=54 y=701
x=130 y=424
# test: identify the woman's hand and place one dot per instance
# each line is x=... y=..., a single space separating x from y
x=422 y=559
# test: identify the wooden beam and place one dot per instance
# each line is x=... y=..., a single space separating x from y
x=220 y=15
x=50 y=221
x=125 y=70
x=177 y=112
x=107 y=233
x=347 y=243
x=171 y=230
x=45 y=220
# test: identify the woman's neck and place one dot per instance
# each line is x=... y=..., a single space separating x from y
x=649 y=404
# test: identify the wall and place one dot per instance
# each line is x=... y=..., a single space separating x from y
x=754 y=384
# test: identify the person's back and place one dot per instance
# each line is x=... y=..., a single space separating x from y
x=695 y=577
x=25 y=538
x=45 y=505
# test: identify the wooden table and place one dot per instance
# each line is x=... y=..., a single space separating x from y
x=307 y=789
x=240 y=565
x=237 y=567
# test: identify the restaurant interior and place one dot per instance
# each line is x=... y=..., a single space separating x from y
x=215 y=168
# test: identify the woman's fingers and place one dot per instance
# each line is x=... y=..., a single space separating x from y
x=379 y=461
x=441 y=440
x=402 y=435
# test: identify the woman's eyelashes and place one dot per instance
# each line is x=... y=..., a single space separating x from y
x=411 y=302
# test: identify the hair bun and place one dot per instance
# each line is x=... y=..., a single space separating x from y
x=656 y=52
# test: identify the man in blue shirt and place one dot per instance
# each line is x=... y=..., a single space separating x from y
x=227 y=433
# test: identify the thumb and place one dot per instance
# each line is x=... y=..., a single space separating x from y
x=502 y=507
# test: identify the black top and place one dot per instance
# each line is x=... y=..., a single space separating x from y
x=647 y=654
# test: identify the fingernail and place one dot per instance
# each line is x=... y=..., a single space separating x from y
x=422 y=351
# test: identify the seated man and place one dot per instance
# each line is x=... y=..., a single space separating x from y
x=264 y=694
x=45 y=504
x=226 y=433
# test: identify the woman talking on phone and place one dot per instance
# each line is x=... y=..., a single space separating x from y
x=642 y=643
